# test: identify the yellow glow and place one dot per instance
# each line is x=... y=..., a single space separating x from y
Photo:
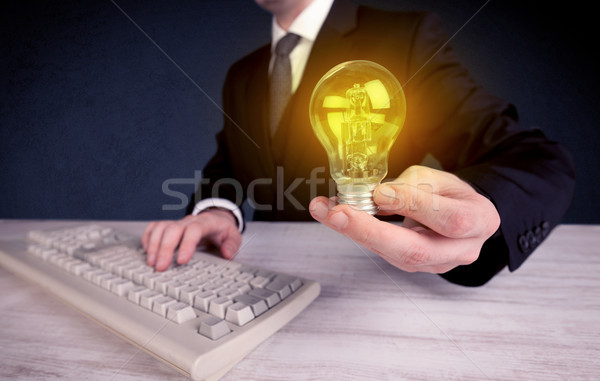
x=335 y=120
x=378 y=94
x=332 y=101
x=357 y=110
x=377 y=118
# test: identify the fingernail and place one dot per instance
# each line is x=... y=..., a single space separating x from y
x=386 y=195
x=226 y=251
x=150 y=260
x=181 y=256
x=339 y=220
x=161 y=263
x=319 y=210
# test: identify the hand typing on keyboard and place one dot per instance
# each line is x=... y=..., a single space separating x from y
x=214 y=226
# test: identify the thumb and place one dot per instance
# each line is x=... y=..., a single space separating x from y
x=230 y=244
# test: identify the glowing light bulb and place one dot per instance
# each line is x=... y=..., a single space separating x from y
x=357 y=110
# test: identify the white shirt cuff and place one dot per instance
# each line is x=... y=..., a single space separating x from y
x=221 y=203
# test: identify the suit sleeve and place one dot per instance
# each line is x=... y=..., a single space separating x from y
x=476 y=136
x=218 y=179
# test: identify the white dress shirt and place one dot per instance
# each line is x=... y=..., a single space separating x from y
x=307 y=26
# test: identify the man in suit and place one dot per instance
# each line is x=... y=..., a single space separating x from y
x=502 y=188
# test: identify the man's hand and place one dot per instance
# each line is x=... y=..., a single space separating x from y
x=446 y=221
x=161 y=238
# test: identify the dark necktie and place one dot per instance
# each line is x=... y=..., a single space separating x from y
x=280 y=88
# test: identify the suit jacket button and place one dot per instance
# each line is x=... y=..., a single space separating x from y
x=523 y=244
x=545 y=225
x=531 y=239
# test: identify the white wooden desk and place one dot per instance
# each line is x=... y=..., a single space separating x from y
x=371 y=322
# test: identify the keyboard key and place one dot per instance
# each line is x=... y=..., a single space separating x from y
x=271 y=297
x=248 y=269
x=203 y=299
x=239 y=314
x=58 y=259
x=188 y=277
x=226 y=282
x=257 y=304
x=162 y=284
x=122 y=286
x=128 y=268
x=150 y=279
x=241 y=287
x=218 y=306
x=117 y=265
x=98 y=277
x=107 y=282
x=139 y=273
x=147 y=298
x=89 y=245
x=292 y=282
x=259 y=282
x=231 y=274
x=213 y=328
x=68 y=265
x=229 y=293
x=134 y=293
x=244 y=277
x=280 y=287
x=107 y=261
x=214 y=287
x=187 y=294
x=200 y=265
x=89 y=273
x=265 y=274
x=210 y=267
x=200 y=282
x=80 y=268
x=180 y=312
x=218 y=269
x=94 y=234
x=160 y=305
x=174 y=288
x=46 y=253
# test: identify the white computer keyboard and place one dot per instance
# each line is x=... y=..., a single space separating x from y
x=201 y=318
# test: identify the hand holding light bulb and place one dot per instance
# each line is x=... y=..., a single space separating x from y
x=357 y=110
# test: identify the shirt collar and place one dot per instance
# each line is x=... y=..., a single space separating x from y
x=306 y=25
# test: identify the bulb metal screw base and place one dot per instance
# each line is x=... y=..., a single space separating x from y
x=360 y=201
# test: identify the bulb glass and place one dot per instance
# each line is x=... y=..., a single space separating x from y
x=357 y=110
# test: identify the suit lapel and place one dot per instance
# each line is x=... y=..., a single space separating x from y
x=257 y=99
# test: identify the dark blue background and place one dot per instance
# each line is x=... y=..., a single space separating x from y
x=95 y=118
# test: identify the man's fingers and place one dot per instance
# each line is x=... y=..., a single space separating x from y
x=161 y=239
x=170 y=240
x=464 y=214
x=191 y=237
x=444 y=215
x=319 y=207
x=383 y=238
x=410 y=249
x=231 y=244
x=219 y=232
x=154 y=241
x=446 y=221
x=220 y=228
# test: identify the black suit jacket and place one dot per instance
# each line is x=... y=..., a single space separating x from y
x=470 y=132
